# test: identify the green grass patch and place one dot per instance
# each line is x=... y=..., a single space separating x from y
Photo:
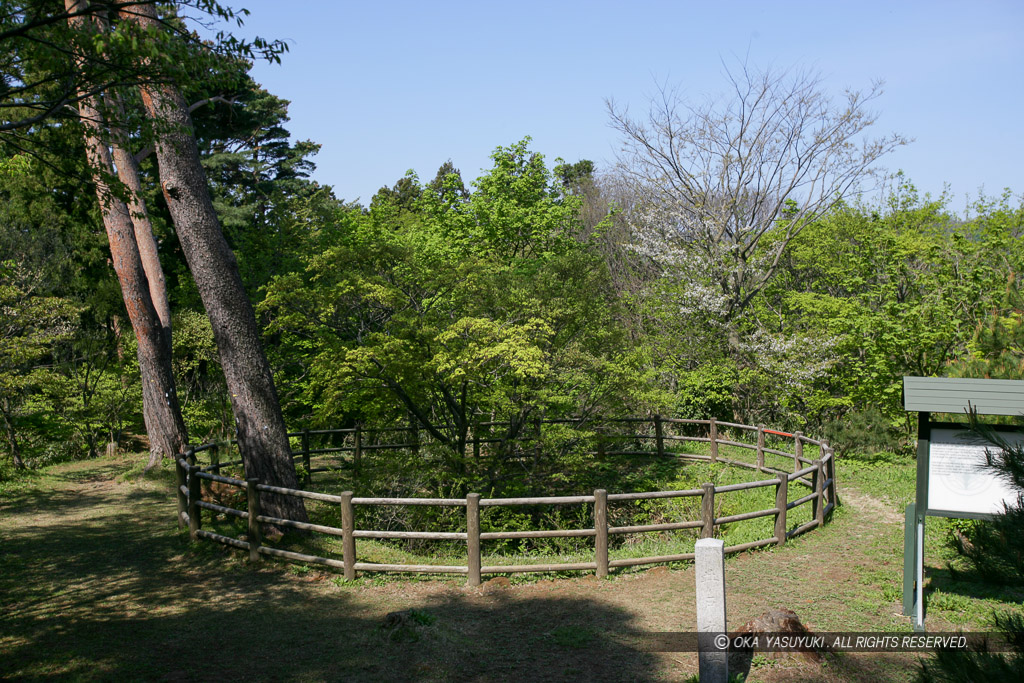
x=886 y=476
x=99 y=584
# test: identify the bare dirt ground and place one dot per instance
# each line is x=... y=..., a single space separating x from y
x=98 y=584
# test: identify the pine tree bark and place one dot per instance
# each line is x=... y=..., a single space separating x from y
x=161 y=412
x=129 y=175
x=262 y=438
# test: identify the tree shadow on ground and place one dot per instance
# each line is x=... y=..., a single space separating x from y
x=972 y=583
x=118 y=593
x=97 y=583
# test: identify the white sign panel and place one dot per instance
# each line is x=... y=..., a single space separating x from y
x=958 y=478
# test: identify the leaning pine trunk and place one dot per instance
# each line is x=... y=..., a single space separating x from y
x=262 y=438
x=161 y=411
x=128 y=174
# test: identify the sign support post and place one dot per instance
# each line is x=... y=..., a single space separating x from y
x=913 y=571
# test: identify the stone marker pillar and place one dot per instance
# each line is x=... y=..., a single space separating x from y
x=710 y=570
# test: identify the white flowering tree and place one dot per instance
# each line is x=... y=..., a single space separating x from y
x=720 y=189
x=724 y=184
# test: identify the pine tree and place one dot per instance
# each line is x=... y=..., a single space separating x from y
x=997 y=347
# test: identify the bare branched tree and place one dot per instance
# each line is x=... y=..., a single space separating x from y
x=723 y=186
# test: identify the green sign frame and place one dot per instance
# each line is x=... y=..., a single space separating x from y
x=926 y=395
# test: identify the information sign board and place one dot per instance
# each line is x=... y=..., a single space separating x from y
x=959 y=481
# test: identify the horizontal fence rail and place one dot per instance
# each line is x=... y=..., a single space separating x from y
x=816 y=474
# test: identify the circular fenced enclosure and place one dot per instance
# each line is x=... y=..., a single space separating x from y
x=472 y=535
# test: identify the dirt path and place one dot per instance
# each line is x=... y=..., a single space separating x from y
x=98 y=584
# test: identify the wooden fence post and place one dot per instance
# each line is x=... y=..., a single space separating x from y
x=707 y=511
x=833 y=496
x=818 y=503
x=781 y=501
x=215 y=459
x=536 y=448
x=414 y=433
x=798 y=441
x=305 y=457
x=255 y=538
x=357 y=453
x=182 y=496
x=194 y=495
x=714 y=440
x=760 y=448
x=473 y=537
x=601 y=527
x=348 y=539
x=223 y=454
x=659 y=433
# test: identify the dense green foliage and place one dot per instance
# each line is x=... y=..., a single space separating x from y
x=80 y=390
x=534 y=292
x=452 y=305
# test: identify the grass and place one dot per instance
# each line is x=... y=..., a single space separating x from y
x=97 y=583
x=572 y=636
x=887 y=476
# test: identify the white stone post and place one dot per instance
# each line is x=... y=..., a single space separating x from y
x=710 y=559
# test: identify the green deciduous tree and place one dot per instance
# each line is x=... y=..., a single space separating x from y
x=457 y=309
x=31 y=325
x=899 y=288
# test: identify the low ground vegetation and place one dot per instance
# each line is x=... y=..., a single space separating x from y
x=631 y=464
x=93 y=559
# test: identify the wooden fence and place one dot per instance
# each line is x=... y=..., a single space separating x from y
x=817 y=475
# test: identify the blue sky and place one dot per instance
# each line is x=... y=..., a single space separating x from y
x=387 y=87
